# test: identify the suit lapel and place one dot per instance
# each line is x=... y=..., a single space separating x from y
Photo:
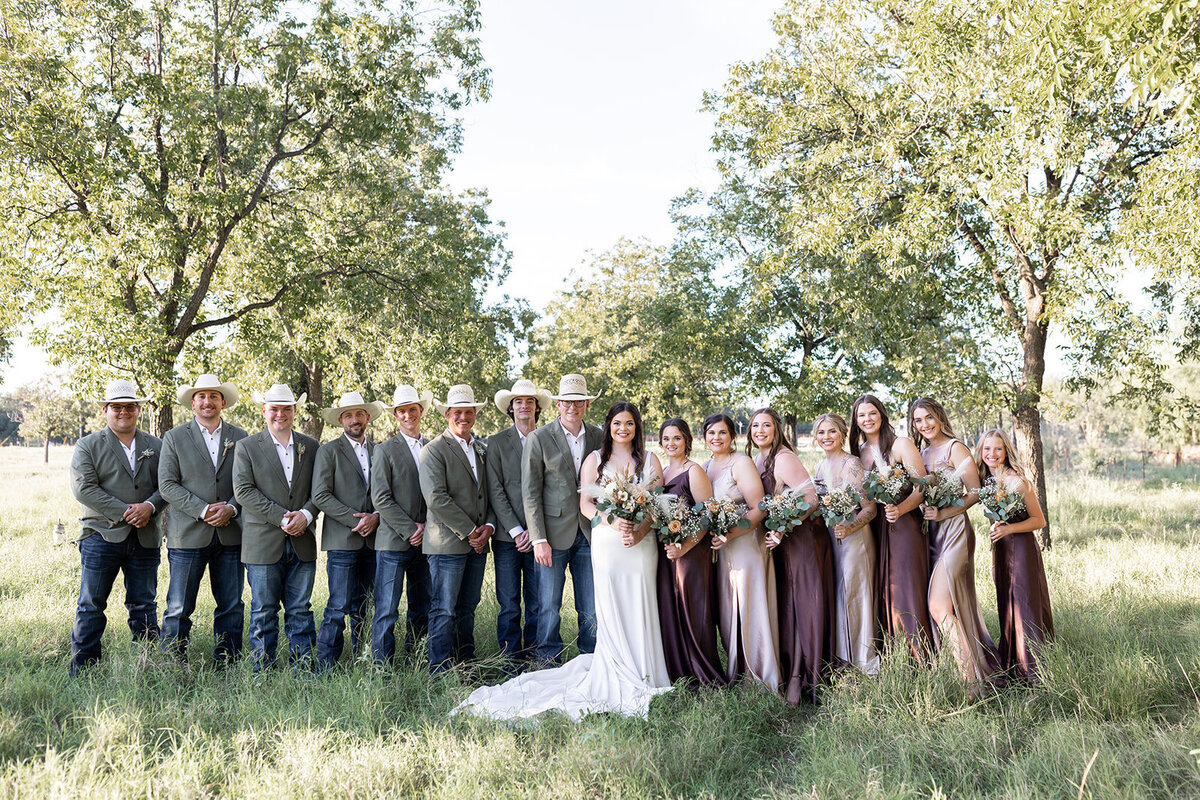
x=559 y=434
x=114 y=444
x=351 y=458
x=272 y=456
x=198 y=440
x=452 y=442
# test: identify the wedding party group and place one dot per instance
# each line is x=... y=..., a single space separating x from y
x=789 y=575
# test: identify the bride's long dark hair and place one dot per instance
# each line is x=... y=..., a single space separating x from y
x=639 y=436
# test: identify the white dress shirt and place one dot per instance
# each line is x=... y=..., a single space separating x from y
x=130 y=453
x=513 y=533
x=286 y=460
x=212 y=441
x=414 y=447
x=364 y=460
x=470 y=452
x=576 y=444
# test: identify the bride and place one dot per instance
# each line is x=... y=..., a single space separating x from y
x=628 y=667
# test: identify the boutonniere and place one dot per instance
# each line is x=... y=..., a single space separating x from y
x=301 y=451
x=479 y=449
x=147 y=453
x=225 y=448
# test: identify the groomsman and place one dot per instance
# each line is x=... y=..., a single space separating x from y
x=396 y=492
x=454 y=483
x=512 y=551
x=341 y=490
x=561 y=535
x=272 y=479
x=195 y=475
x=114 y=476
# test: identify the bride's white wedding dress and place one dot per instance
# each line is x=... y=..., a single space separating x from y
x=628 y=667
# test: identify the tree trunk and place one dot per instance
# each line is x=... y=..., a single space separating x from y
x=46 y=452
x=789 y=427
x=1026 y=410
x=163 y=419
x=313 y=424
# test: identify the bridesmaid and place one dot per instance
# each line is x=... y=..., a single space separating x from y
x=853 y=551
x=803 y=566
x=952 y=601
x=745 y=574
x=687 y=600
x=902 y=566
x=1022 y=596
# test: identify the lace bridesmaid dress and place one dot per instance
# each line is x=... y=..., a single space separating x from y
x=746 y=595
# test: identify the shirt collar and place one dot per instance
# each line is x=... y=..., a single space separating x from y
x=357 y=445
x=285 y=445
x=462 y=442
x=204 y=430
x=570 y=435
x=413 y=441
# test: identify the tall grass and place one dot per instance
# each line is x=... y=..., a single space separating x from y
x=1120 y=702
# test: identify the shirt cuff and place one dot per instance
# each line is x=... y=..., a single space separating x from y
x=152 y=506
x=307 y=515
x=204 y=513
x=535 y=541
x=513 y=532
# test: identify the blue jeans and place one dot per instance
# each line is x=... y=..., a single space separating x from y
x=516 y=577
x=457 y=581
x=551 y=581
x=101 y=561
x=351 y=579
x=290 y=581
x=391 y=568
x=225 y=576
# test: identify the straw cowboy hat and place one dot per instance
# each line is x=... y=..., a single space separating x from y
x=121 y=391
x=406 y=395
x=208 y=383
x=279 y=395
x=458 y=396
x=573 y=387
x=348 y=402
x=521 y=388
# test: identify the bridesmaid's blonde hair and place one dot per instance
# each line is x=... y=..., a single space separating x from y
x=838 y=423
x=1011 y=461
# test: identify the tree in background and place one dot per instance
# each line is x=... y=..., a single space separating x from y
x=640 y=327
x=904 y=128
x=167 y=170
x=48 y=412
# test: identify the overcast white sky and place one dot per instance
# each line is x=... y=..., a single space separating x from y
x=593 y=126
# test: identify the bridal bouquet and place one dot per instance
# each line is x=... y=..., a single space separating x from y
x=722 y=515
x=623 y=496
x=675 y=521
x=1001 y=500
x=840 y=505
x=886 y=484
x=785 y=510
x=943 y=488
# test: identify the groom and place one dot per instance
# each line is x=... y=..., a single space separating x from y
x=561 y=534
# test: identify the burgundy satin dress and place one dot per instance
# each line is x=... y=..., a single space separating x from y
x=1023 y=601
x=903 y=580
x=687 y=603
x=804 y=585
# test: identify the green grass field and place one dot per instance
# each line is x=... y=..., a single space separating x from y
x=1118 y=716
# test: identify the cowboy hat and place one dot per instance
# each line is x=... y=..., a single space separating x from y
x=458 y=396
x=573 y=387
x=279 y=395
x=121 y=391
x=208 y=382
x=521 y=388
x=348 y=402
x=406 y=395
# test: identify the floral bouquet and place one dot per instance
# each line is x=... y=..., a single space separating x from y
x=840 y=505
x=623 y=496
x=675 y=521
x=785 y=510
x=886 y=485
x=1001 y=500
x=722 y=515
x=943 y=488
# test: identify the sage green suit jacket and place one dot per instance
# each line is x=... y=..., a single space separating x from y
x=189 y=482
x=504 y=453
x=396 y=492
x=550 y=485
x=261 y=487
x=340 y=491
x=457 y=503
x=105 y=486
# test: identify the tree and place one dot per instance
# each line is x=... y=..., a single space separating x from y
x=168 y=170
x=48 y=412
x=640 y=327
x=921 y=127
